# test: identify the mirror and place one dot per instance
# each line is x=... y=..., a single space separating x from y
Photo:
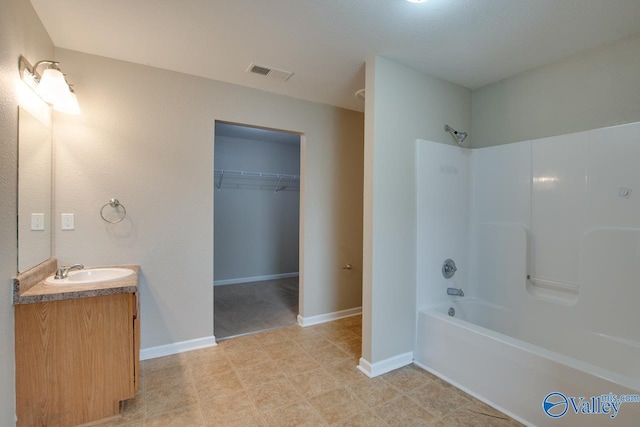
x=34 y=191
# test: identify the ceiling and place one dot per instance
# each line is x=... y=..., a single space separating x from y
x=325 y=42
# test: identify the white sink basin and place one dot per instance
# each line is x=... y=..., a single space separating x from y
x=91 y=276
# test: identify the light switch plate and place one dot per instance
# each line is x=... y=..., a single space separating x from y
x=37 y=221
x=68 y=222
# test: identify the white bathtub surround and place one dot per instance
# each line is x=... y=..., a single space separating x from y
x=551 y=255
x=442 y=212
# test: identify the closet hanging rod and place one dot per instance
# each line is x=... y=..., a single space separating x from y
x=250 y=174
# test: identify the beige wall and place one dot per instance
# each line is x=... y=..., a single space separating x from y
x=593 y=89
x=402 y=105
x=34 y=189
x=145 y=136
x=21 y=33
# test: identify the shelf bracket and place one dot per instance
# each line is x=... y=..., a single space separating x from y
x=278 y=188
x=220 y=182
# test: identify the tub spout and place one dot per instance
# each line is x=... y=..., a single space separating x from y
x=455 y=291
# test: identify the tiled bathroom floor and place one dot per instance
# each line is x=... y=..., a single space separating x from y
x=295 y=377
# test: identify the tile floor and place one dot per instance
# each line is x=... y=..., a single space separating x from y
x=255 y=306
x=295 y=377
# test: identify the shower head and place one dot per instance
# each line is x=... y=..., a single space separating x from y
x=458 y=136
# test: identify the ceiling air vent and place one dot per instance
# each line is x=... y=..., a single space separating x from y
x=270 y=72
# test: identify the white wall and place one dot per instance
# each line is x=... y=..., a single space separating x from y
x=256 y=228
x=402 y=105
x=590 y=90
x=145 y=136
x=21 y=33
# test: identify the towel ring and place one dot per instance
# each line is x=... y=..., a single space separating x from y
x=114 y=203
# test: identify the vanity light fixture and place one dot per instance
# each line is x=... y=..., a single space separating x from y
x=69 y=107
x=417 y=1
x=51 y=86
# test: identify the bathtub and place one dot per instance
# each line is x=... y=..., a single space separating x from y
x=489 y=352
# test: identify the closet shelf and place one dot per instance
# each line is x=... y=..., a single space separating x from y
x=226 y=178
x=248 y=174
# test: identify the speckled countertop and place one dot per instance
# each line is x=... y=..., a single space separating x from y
x=29 y=287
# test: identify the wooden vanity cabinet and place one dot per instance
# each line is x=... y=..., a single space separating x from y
x=76 y=359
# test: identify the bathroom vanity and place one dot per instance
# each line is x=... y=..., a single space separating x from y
x=77 y=348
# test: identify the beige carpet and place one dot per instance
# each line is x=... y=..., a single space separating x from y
x=256 y=306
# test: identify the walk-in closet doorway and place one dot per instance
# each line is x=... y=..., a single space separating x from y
x=256 y=229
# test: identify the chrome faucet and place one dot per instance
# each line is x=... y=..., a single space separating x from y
x=63 y=271
x=449 y=268
x=455 y=291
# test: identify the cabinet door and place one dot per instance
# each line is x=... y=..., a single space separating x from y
x=135 y=303
x=73 y=360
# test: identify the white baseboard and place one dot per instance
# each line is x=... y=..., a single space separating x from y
x=177 y=347
x=328 y=317
x=384 y=366
x=254 y=279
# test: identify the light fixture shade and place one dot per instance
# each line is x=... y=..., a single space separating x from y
x=53 y=87
x=69 y=106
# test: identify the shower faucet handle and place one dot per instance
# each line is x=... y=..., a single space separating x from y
x=449 y=268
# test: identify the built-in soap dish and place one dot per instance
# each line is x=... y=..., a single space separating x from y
x=563 y=293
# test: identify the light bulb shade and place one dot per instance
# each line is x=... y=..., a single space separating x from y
x=69 y=105
x=53 y=87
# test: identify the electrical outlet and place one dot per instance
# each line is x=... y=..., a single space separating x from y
x=68 y=221
x=37 y=221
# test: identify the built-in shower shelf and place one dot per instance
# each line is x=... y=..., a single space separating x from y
x=564 y=293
